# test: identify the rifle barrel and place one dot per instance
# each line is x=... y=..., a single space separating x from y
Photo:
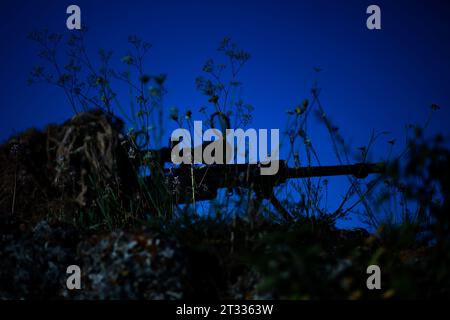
x=359 y=170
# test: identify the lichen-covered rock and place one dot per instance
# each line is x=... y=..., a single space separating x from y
x=125 y=265
x=114 y=265
x=33 y=260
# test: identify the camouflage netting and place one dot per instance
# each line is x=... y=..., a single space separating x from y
x=60 y=169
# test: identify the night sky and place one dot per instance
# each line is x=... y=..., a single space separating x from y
x=371 y=80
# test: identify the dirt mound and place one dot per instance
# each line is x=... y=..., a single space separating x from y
x=60 y=169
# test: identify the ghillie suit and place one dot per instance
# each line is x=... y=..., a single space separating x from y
x=65 y=169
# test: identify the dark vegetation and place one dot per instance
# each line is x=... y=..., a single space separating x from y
x=75 y=193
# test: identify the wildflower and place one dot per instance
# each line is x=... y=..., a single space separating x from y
x=316 y=69
x=307 y=141
x=127 y=59
x=174 y=113
x=175 y=185
x=302 y=133
x=160 y=79
x=305 y=103
x=16 y=149
x=131 y=153
x=144 y=79
x=299 y=110
x=214 y=99
x=63 y=79
x=154 y=92
x=435 y=107
x=133 y=39
x=208 y=67
x=140 y=113
x=37 y=71
x=140 y=99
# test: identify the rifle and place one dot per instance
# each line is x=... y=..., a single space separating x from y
x=189 y=183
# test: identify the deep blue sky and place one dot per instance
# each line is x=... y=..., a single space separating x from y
x=378 y=80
